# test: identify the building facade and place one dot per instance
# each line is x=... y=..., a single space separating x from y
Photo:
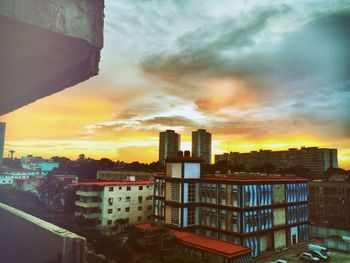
x=38 y=164
x=261 y=212
x=106 y=202
x=329 y=204
x=2 y=140
x=169 y=144
x=317 y=160
x=201 y=145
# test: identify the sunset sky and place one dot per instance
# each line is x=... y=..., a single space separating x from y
x=256 y=74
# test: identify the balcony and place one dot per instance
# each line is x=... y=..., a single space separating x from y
x=87 y=204
x=87 y=215
x=88 y=193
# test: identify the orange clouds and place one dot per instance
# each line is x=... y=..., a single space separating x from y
x=226 y=92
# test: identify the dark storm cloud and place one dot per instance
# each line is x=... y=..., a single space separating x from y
x=309 y=66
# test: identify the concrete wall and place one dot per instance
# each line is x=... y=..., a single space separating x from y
x=80 y=18
x=279 y=216
x=280 y=238
x=278 y=193
x=25 y=238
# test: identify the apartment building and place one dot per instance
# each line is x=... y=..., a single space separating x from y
x=106 y=202
x=260 y=212
x=201 y=145
x=329 y=203
x=317 y=160
x=169 y=144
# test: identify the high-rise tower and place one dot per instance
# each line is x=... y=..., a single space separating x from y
x=169 y=144
x=201 y=145
x=2 y=140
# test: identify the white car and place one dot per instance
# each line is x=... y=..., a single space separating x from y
x=308 y=257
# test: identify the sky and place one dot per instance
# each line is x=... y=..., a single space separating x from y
x=256 y=74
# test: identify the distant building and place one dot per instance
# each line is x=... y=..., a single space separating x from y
x=317 y=160
x=27 y=184
x=106 y=202
x=201 y=145
x=66 y=178
x=108 y=175
x=260 y=212
x=329 y=203
x=7 y=177
x=38 y=164
x=169 y=144
x=2 y=140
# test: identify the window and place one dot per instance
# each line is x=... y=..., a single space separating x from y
x=109 y=222
x=111 y=189
x=110 y=211
x=175 y=216
x=128 y=188
x=119 y=198
x=110 y=201
x=127 y=209
x=139 y=208
x=149 y=217
x=140 y=199
x=127 y=198
x=120 y=188
x=118 y=209
x=191 y=193
x=139 y=218
x=190 y=216
x=140 y=187
x=175 y=192
x=149 y=207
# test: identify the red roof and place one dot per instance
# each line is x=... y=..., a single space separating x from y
x=215 y=246
x=27 y=179
x=143 y=227
x=253 y=178
x=109 y=183
x=211 y=245
x=246 y=178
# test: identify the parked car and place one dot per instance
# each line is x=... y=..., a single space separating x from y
x=280 y=261
x=319 y=255
x=305 y=256
x=325 y=253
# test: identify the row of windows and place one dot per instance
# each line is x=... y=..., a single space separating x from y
x=257 y=220
x=139 y=219
x=127 y=209
x=127 y=199
x=297 y=213
x=296 y=192
x=128 y=188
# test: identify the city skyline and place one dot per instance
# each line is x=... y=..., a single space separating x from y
x=257 y=76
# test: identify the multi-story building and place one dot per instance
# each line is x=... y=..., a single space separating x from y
x=7 y=177
x=28 y=184
x=261 y=212
x=317 y=160
x=201 y=145
x=329 y=203
x=169 y=144
x=2 y=140
x=106 y=202
x=38 y=164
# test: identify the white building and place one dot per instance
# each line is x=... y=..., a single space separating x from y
x=7 y=177
x=106 y=202
x=38 y=164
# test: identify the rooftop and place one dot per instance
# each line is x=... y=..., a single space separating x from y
x=108 y=183
x=222 y=248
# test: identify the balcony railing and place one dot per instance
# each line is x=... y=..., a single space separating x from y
x=88 y=193
x=87 y=204
x=87 y=215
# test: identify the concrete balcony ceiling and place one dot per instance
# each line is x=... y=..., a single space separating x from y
x=47 y=46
